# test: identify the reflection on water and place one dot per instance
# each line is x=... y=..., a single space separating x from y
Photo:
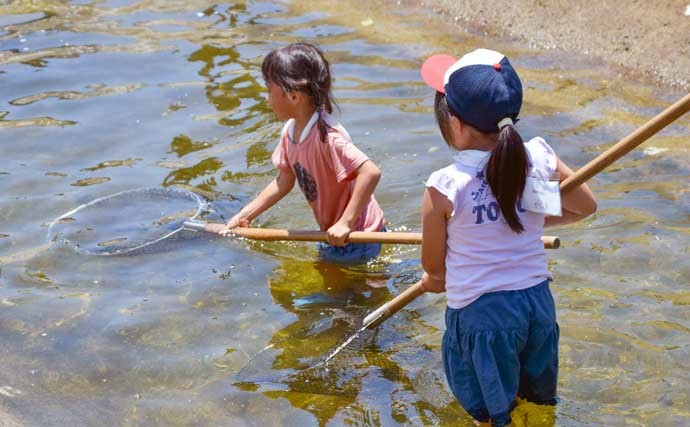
x=103 y=96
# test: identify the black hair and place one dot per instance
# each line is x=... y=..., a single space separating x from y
x=506 y=174
x=442 y=113
x=506 y=171
x=302 y=67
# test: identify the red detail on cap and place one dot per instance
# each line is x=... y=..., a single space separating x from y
x=497 y=67
x=434 y=69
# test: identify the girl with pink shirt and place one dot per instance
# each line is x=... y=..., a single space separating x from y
x=337 y=179
x=483 y=218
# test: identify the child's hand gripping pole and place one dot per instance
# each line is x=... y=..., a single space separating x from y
x=583 y=174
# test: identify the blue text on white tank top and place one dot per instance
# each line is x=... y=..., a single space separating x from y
x=492 y=210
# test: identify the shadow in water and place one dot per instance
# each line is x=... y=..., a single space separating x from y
x=329 y=303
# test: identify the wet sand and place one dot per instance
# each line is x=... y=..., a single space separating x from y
x=645 y=39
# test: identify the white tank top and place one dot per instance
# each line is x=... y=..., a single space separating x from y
x=483 y=253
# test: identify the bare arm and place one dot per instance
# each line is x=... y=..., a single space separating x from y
x=274 y=191
x=436 y=210
x=577 y=203
x=367 y=176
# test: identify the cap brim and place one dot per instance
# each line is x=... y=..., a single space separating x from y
x=434 y=69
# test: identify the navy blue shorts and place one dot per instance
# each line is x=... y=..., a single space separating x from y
x=352 y=253
x=503 y=345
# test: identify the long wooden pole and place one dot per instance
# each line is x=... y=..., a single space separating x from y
x=550 y=242
x=583 y=174
x=625 y=145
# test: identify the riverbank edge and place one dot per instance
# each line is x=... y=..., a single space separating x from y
x=641 y=39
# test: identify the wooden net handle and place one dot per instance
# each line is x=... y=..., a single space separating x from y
x=550 y=242
x=626 y=144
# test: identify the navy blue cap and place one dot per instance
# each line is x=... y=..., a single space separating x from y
x=481 y=88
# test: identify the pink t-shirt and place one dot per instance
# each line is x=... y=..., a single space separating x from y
x=325 y=172
x=483 y=254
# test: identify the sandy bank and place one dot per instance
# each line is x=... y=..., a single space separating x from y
x=647 y=39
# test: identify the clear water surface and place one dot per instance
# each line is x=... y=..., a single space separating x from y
x=98 y=97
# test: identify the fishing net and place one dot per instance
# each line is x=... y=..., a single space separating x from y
x=127 y=221
x=284 y=365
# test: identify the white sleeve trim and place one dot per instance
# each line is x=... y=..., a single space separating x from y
x=444 y=184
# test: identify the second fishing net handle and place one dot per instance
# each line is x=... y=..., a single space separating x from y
x=272 y=234
x=393 y=306
x=625 y=145
x=583 y=174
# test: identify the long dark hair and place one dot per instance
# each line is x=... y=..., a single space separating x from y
x=442 y=113
x=302 y=67
x=506 y=171
x=506 y=174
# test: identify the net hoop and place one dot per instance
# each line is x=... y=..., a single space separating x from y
x=202 y=206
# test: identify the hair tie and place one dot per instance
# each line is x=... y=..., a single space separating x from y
x=505 y=122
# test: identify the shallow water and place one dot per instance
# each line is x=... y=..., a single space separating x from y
x=99 y=97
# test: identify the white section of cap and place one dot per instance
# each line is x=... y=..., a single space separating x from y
x=505 y=122
x=476 y=57
x=687 y=10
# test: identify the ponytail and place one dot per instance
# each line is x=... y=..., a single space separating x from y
x=323 y=101
x=506 y=174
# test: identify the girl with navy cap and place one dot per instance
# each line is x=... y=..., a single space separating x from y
x=483 y=218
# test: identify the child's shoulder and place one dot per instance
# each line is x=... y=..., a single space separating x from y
x=449 y=179
x=336 y=131
x=539 y=143
x=450 y=170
